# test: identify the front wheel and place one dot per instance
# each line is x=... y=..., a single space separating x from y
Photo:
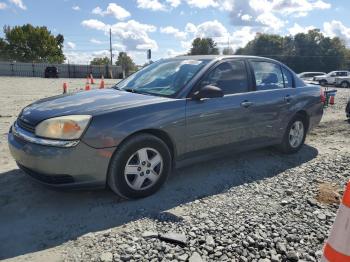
x=139 y=167
x=294 y=136
x=323 y=82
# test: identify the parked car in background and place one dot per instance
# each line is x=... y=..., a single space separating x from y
x=329 y=79
x=168 y=114
x=51 y=72
x=309 y=76
x=342 y=81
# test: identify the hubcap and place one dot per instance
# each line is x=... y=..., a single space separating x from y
x=143 y=168
x=296 y=134
x=344 y=85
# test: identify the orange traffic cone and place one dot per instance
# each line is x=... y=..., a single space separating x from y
x=92 y=79
x=331 y=101
x=102 y=83
x=87 y=87
x=65 y=88
x=337 y=247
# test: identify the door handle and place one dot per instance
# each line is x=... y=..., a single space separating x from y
x=287 y=98
x=246 y=104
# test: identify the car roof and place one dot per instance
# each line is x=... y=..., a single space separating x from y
x=220 y=57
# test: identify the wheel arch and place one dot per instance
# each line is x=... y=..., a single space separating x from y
x=305 y=116
x=161 y=134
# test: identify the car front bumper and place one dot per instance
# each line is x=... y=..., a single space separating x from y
x=75 y=166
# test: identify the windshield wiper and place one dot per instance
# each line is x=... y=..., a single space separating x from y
x=131 y=90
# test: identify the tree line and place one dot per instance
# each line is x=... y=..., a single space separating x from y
x=311 y=51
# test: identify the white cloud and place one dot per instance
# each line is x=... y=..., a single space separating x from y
x=241 y=37
x=211 y=29
x=95 y=41
x=174 y=3
x=271 y=14
x=70 y=45
x=299 y=7
x=173 y=31
x=3 y=6
x=18 y=3
x=153 y=5
x=95 y=24
x=202 y=3
x=112 y=9
x=75 y=7
x=296 y=29
x=270 y=20
x=337 y=28
x=131 y=34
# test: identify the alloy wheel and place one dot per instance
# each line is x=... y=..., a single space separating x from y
x=296 y=134
x=143 y=168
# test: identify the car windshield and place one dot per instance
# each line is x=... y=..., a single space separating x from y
x=163 y=78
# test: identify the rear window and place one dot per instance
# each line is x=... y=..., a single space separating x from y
x=267 y=75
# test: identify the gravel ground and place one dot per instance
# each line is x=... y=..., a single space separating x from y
x=255 y=206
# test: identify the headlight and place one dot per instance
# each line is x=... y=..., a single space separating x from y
x=63 y=127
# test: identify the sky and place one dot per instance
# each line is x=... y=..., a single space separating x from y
x=167 y=27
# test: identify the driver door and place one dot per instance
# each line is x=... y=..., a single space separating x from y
x=216 y=122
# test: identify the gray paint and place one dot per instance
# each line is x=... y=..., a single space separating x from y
x=194 y=127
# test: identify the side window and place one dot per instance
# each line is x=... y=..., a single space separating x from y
x=267 y=75
x=287 y=77
x=230 y=76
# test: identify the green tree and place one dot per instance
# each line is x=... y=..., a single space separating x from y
x=204 y=46
x=126 y=63
x=100 y=61
x=310 y=51
x=31 y=44
x=227 y=51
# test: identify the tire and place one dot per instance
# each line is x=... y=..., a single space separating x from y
x=345 y=84
x=143 y=179
x=323 y=82
x=287 y=146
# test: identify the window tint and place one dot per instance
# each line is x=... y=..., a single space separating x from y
x=267 y=75
x=230 y=76
x=288 y=78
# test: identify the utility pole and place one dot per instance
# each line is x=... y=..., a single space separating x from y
x=110 y=44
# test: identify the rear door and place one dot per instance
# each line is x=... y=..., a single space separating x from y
x=221 y=121
x=273 y=98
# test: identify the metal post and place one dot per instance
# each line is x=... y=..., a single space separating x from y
x=110 y=45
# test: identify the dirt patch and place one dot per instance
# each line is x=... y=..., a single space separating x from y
x=328 y=194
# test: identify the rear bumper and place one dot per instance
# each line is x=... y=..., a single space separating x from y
x=316 y=114
x=72 y=167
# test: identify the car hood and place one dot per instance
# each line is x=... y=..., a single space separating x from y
x=89 y=102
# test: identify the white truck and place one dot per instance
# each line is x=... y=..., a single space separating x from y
x=330 y=78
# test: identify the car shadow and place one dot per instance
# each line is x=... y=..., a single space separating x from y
x=34 y=217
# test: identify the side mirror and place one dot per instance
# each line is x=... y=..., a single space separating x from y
x=208 y=91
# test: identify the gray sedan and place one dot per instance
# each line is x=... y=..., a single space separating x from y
x=170 y=113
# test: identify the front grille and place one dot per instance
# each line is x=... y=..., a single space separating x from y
x=48 y=179
x=26 y=126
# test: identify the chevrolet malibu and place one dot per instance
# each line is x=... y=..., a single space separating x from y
x=170 y=113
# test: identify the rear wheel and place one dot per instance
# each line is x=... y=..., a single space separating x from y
x=294 y=136
x=345 y=84
x=139 y=167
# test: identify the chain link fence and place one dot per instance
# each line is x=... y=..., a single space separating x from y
x=64 y=70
